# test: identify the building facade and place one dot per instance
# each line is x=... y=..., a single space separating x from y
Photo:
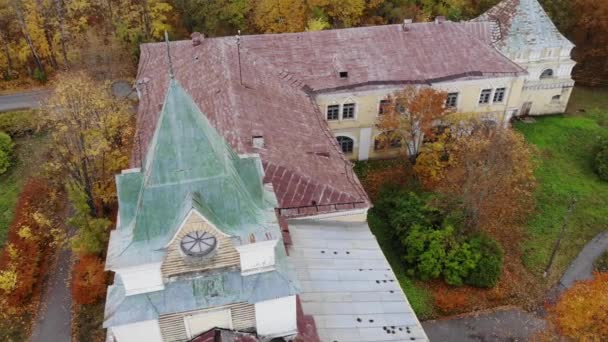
x=197 y=244
x=242 y=211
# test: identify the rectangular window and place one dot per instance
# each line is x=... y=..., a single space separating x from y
x=452 y=100
x=383 y=106
x=348 y=111
x=499 y=94
x=484 y=98
x=333 y=112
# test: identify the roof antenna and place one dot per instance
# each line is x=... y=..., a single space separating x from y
x=169 y=55
x=238 y=51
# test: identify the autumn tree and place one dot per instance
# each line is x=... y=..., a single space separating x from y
x=214 y=18
x=88 y=280
x=410 y=116
x=276 y=16
x=341 y=13
x=92 y=132
x=91 y=233
x=490 y=173
x=582 y=311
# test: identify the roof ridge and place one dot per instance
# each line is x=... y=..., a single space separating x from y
x=492 y=49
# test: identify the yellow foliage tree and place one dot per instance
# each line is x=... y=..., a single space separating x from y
x=342 y=13
x=276 y=16
x=582 y=311
x=92 y=133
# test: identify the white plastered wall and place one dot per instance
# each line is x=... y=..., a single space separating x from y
x=276 y=317
x=141 y=279
x=148 y=331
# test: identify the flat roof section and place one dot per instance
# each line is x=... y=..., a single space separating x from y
x=347 y=285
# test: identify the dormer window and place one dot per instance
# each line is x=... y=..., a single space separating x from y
x=548 y=73
x=343 y=74
x=198 y=244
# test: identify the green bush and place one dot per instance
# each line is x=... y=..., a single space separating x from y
x=459 y=263
x=404 y=209
x=19 y=123
x=426 y=250
x=489 y=267
x=601 y=160
x=6 y=152
x=39 y=75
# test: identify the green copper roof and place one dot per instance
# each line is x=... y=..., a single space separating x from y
x=189 y=166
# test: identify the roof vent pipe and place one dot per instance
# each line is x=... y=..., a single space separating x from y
x=197 y=38
x=257 y=139
x=439 y=19
x=406 y=24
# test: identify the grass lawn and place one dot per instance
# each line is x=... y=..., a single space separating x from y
x=566 y=146
x=29 y=152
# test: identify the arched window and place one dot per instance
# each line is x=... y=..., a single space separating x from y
x=347 y=144
x=547 y=73
x=383 y=141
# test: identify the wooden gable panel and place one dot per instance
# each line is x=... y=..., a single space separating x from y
x=224 y=256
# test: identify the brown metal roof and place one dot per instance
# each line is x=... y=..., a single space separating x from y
x=301 y=158
x=425 y=53
x=265 y=86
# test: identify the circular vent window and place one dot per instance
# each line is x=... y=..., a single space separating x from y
x=198 y=244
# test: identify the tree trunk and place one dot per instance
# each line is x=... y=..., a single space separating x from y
x=60 y=20
x=146 y=20
x=9 y=61
x=49 y=41
x=28 y=37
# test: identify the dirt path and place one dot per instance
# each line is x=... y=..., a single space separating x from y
x=54 y=317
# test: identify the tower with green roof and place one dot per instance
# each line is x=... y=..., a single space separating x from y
x=197 y=243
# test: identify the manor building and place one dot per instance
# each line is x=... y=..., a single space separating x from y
x=241 y=213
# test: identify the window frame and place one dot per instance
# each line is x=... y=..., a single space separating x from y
x=456 y=97
x=391 y=144
x=352 y=142
x=550 y=74
x=488 y=92
x=354 y=111
x=327 y=112
x=503 y=90
x=380 y=106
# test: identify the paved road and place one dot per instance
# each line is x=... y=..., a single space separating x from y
x=30 y=99
x=512 y=324
x=53 y=321
x=582 y=267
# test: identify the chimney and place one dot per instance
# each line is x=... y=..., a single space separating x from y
x=197 y=38
x=257 y=139
x=439 y=19
x=406 y=24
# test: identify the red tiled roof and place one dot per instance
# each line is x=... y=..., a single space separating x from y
x=269 y=90
x=425 y=53
x=267 y=100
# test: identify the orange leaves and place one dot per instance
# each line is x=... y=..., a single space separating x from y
x=22 y=260
x=89 y=280
x=491 y=174
x=410 y=116
x=582 y=311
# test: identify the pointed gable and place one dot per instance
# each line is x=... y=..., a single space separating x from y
x=185 y=147
x=524 y=24
x=189 y=166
